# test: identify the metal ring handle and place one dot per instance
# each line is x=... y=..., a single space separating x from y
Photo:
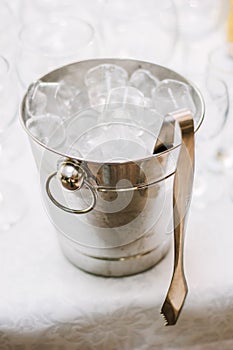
x=70 y=210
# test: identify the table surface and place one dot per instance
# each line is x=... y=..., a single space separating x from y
x=47 y=303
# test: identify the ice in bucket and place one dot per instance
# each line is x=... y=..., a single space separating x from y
x=101 y=79
x=47 y=128
x=94 y=126
x=171 y=95
x=143 y=80
x=121 y=129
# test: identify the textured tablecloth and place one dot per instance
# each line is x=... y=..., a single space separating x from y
x=47 y=303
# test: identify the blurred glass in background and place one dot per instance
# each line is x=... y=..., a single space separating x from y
x=200 y=28
x=141 y=30
x=12 y=201
x=51 y=42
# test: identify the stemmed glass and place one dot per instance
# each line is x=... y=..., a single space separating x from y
x=8 y=28
x=207 y=186
x=12 y=204
x=51 y=42
x=140 y=30
x=199 y=22
x=220 y=64
x=90 y=10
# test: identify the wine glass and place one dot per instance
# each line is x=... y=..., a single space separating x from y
x=140 y=30
x=220 y=64
x=90 y=10
x=216 y=97
x=193 y=19
x=199 y=23
x=12 y=205
x=8 y=28
x=50 y=42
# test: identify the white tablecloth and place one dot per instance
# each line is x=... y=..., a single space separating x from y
x=47 y=303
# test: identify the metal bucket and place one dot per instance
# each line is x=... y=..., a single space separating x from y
x=125 y=221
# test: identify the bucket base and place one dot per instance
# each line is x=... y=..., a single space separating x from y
x=113 y=267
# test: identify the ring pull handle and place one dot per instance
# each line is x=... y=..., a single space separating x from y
x=72 y=178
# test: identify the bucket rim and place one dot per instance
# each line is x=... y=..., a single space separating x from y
x=111 y=60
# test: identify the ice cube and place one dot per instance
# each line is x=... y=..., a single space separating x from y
x=101 y=79
x=130 y=114
x=42 y=99
x=115 y=142
x=80 y=102
x=148 y=102
x=80 y=124
x=66 y=92
x=36 y=101
x=48 y=129
x=144 y=80
x=125 y=95
x=152 y=120
x=124 y=103
x=171 y=95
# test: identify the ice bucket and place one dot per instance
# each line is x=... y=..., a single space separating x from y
x=112 y=218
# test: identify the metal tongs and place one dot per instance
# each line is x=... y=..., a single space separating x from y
x=182 y=190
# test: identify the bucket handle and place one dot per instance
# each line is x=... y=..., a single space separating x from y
x=72 y=178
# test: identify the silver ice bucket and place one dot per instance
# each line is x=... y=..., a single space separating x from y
x=113 y=218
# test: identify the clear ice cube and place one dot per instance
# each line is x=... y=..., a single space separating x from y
x=152 y=120
x=42 y=99
x=36 y=100
x=80 y=124
x=124 y=103
x=125 y=95
x=144 y=80
x=171 y=95
x=113 y=114
x=115 y=142
x=80 y=102
x=66 y=92
x=101 y=79
x=48 y=129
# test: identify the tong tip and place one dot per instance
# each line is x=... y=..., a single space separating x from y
x=169 y=314
x=171 y=311
x=164 y=318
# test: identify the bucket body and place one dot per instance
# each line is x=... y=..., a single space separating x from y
x=119 y=221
